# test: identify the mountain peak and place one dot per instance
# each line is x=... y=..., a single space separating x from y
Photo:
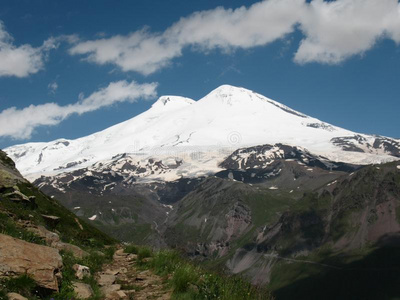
x=228 y=87
x=172 y=102
x=229 y=95
x=229 y=90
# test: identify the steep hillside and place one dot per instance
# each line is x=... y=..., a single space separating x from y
x=39 y=239
x=21 y=201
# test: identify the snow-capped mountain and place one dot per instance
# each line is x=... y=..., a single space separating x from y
x=179 y=137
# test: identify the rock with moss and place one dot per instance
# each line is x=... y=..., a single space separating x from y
x=9 y=175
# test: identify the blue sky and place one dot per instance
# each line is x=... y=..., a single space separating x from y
x=87 y=58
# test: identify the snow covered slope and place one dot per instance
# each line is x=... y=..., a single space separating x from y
x=181 y=137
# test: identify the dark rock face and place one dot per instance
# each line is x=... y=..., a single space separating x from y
x=261 y=163
x=358 y=143
x=389 y=145
x=260 y=157
x=349 y=143
x=323 y=126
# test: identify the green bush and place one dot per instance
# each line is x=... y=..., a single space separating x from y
x=8 y=227
x=94 y=261
x=214 y=286
x=132 y=249
x=109 y=253
x=23 y=285
x=144 y=252
x=184 y=275
x=3 y=295
x=66 y=292
x=165 y=262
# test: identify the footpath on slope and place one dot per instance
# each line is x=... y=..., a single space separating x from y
x=123 y=279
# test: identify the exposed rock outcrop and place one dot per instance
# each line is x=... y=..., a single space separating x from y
x=53 y=240
x=18 y=257
x=9 y=175
x=76 y=251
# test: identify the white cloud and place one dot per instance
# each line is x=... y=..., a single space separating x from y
x=139 y=51
x=146 y=52
x=53 y=86
x=23 y=60
x=20 y=123
x=333 y=31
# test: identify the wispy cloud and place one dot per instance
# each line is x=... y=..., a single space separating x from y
x=333 y=31
x=21 y=61
x=52 y=87
x=21 y=123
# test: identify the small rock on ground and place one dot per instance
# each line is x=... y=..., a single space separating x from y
x=82 y=290
x=15 y=296
x=106 y=279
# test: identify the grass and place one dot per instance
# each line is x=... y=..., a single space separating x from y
x=9 y=227
x=3 y=295
x=23 y=285
x=69 y=229
x=89 y=237
x=265 y=206
x=184 y=275
x=132 y=249
x=191 y=281
x=144 y=252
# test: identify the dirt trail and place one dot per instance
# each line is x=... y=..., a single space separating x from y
x=122 y=279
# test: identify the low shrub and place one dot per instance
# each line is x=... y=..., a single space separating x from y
x=144 y=252
x=132 y=249
x=8 y=227
x=165 y=262
x=184 y=275
x=23 y=285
